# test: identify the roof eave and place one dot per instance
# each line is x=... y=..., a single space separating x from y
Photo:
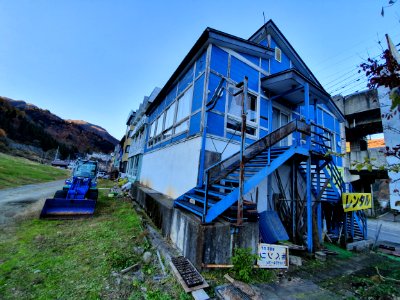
x=211 y=36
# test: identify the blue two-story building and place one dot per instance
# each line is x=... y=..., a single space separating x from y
x=288 y=167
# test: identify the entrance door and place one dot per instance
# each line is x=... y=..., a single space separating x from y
x=279 y=119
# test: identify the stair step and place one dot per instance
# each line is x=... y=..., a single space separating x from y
x=212 y=193
x=190 y=207
x=231 y=180
x=254 y=166
x=219 y=186
x=199 y=199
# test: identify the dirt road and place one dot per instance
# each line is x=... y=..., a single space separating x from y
x=390 y=231
x=24 y=199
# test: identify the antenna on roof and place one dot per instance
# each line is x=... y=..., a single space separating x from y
x=265 y=29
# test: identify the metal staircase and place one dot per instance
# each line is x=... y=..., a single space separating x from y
x=219 y=193
x=327 y=182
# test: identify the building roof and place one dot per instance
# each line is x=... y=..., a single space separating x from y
x=271 y=28
x=209 y=36
x=282 y=82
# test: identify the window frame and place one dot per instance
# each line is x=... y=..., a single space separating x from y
x=278 y=54
x=249 y=124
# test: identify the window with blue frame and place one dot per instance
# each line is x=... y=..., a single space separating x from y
x=234 y=109
x=174 y=120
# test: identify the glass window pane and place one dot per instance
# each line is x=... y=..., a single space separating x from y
x=181 y=127
x=251 y=108
x=159 y=124
x=169 y=116
x=184 y=102
x=235 y=109
x=234 y=103
x=151 y=132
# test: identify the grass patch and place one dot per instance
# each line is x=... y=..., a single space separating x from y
x=75 y=259
x=342 y=253
x=16 y=171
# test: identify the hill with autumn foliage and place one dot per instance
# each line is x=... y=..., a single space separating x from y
x=27 y=124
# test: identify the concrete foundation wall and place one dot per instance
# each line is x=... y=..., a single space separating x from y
x=201 y=244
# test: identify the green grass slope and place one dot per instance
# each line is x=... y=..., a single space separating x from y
x=16 y=171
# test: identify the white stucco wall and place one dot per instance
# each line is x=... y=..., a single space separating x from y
x=172 y=170
x=392 y=139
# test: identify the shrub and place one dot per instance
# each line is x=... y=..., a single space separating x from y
x=243 y=262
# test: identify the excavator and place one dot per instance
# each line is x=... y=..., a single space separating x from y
x=78 y=197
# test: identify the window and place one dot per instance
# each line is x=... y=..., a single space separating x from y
x=151 y=130
x=184 y=102
x=234 y=119
x=169 y=120
x=127 y=148
x=278 y=54
x=159 y=123
x=174 y=120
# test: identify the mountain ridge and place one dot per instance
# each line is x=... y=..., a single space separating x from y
x=20 y=117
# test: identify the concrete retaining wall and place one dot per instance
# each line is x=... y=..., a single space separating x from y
x=201 y=244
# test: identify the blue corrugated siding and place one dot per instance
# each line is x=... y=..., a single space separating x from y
x=254 y=59
x=198 y=94
x=219 y=60
x=201 y=64
x=213 y=82
x=185 y=81
x=264 y=112
x=265 y=64
x=171 y=96
x=195 y=122
x=263 y=133
x=239 y=70
x=215 y=124
x=277 y=66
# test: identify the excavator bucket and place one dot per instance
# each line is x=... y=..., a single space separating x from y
x=67 y=209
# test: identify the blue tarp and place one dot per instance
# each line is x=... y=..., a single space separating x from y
x=271 y=227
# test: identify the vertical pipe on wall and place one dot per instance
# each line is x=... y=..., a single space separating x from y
x=294 y=174
x=200 y=176
x=308 y=171
x=318 y=169
x=309 y=207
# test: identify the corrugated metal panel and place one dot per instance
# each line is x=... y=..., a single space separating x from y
x=254 y=59
x=186 y=80
x=201 y=64
x=263 y=133
x=195 y=122
x=212 y=86
x=239 y=70
x=264 y=112
x=215 y=124
x=198 y=93
x=219 y=60
x=277 y=66
x=265 y=64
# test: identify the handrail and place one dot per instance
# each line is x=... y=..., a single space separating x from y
x=228 y=165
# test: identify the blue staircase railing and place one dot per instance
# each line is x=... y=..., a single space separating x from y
x=220 y=190
x=320 y=137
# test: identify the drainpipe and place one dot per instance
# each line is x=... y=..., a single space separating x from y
x=308 y=172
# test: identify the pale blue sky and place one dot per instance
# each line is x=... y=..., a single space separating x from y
x=95 y=60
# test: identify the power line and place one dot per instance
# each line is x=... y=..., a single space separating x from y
x=329 y=85
x=348 y=83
